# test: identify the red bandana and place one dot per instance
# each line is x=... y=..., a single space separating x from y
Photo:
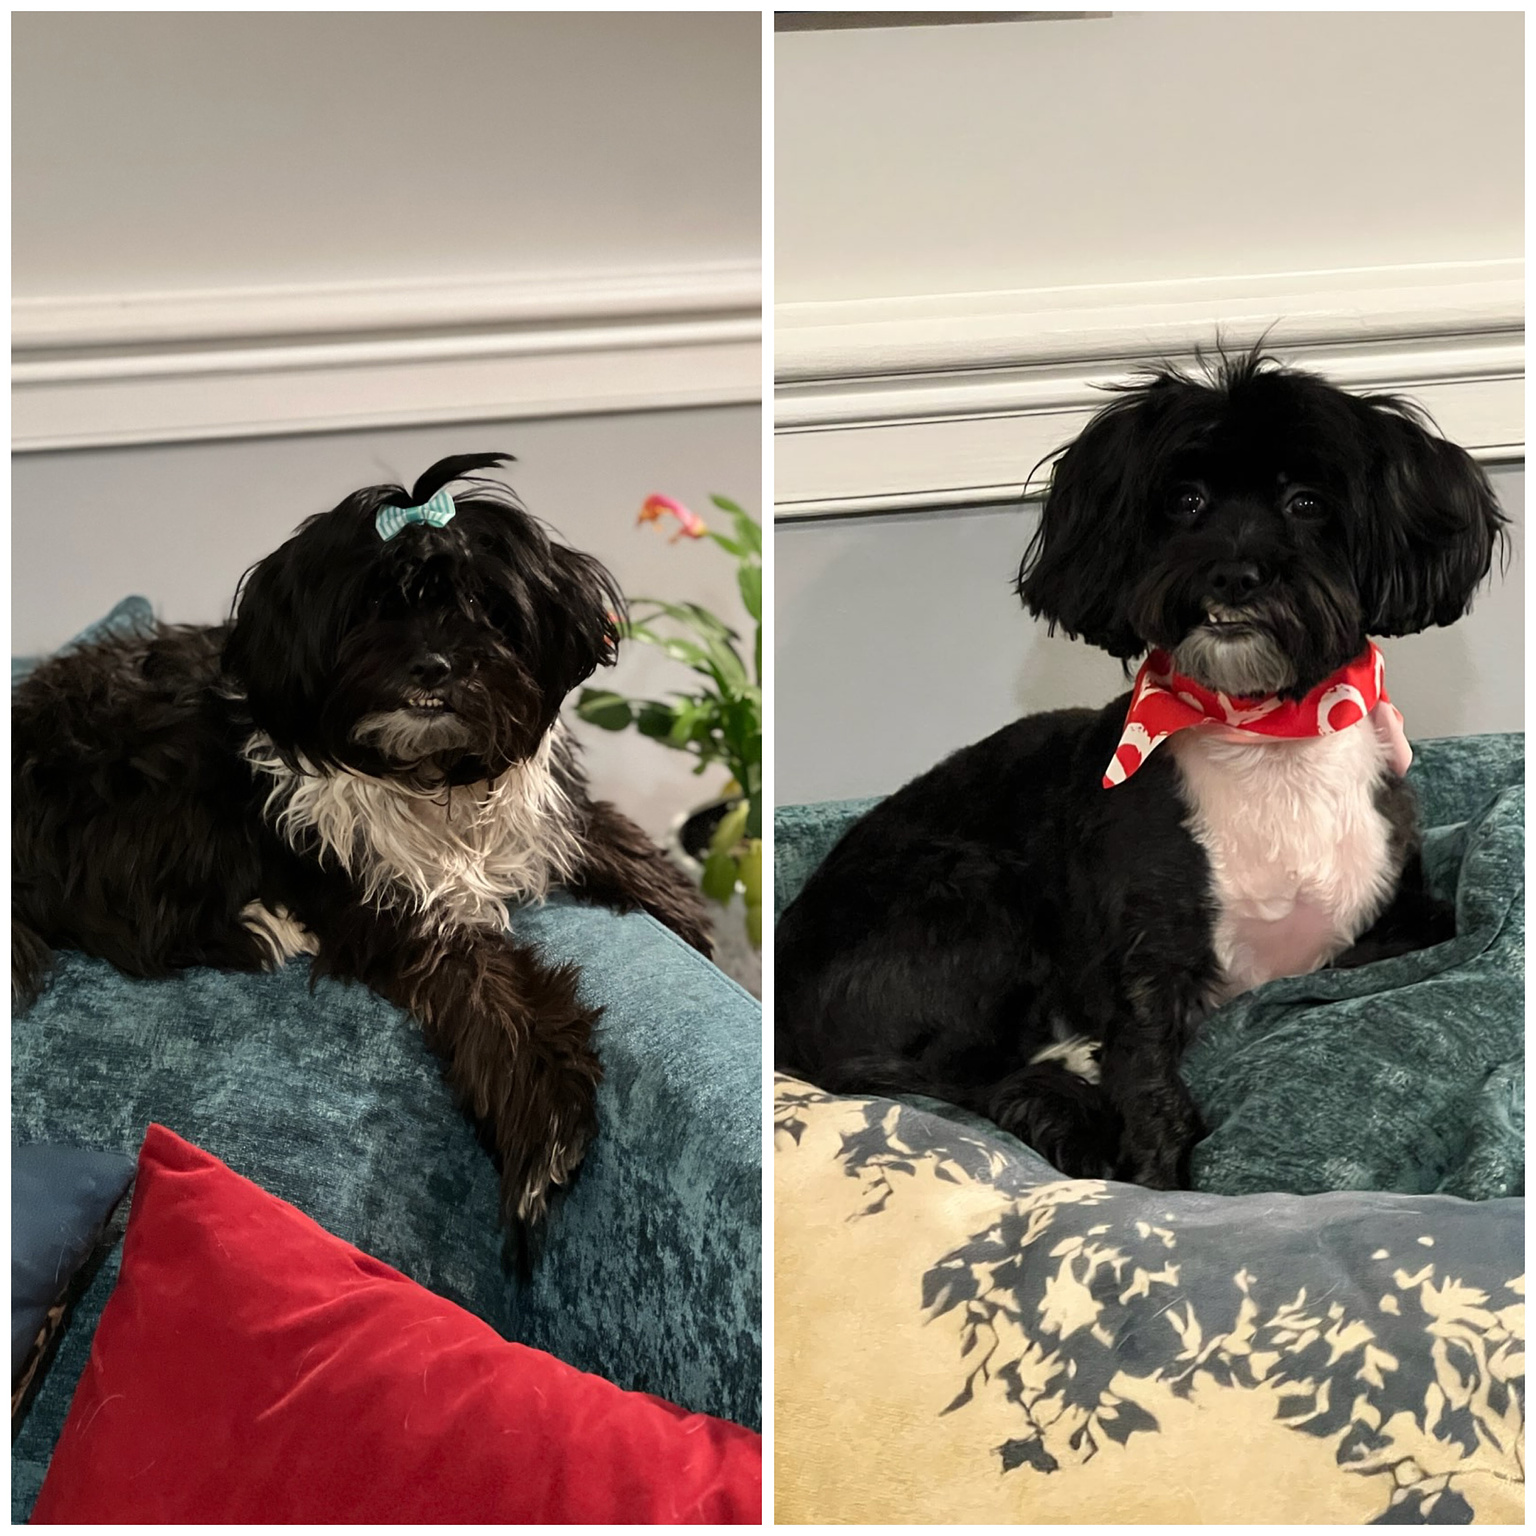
x=1164 y=702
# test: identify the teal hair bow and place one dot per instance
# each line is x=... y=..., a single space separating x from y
x=436 y=511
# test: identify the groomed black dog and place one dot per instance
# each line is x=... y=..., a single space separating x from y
x=365 y=765
x=1035 y=928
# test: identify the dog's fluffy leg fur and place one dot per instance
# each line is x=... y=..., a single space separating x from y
x=31 y=961
x=1065 y=1118
x=514 y=1038
x=623 y=869
x=1141 y=1081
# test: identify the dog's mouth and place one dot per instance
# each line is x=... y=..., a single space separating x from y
x=421 y=725
x=1234 y=651
x=1223 y=621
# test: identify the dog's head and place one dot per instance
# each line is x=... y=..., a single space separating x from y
x=439 y=654
x=1259 y=524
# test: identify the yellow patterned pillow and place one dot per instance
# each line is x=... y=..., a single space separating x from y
x=963 y=1336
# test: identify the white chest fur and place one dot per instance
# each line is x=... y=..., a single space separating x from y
x=458 y=856
x=1299 y=853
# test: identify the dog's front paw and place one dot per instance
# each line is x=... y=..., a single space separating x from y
x=548 y=1114
x=1063 y=1116
x=1085 y=1158
x=1162 y=1162
x=516 y=1042
x=545 y=1137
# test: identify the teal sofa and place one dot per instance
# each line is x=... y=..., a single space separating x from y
x=649 y=1271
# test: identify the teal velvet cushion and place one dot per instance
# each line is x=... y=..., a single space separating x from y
x=803 y=835
x=1407 y=1075
x=650 y=1270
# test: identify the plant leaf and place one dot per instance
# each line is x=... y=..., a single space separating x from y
x=719 y=877
x=728 y=833
x=601 y=707
x=701 y=620
x=685 y=650
x=655 y=720
x=730 y=546
x=749 y=870
x=747 y=528
x=683 y=724
x=750 y=579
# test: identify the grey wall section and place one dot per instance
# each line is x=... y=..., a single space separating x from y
x=180 y=523
x=899 y=639
x=189 y=149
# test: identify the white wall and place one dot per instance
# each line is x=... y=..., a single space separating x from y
x=900 y=639
x=190 y=150
x=977 y=226
x=1142 y=146
x=245 y=224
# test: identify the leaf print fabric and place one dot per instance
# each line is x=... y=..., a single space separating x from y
x=963 y=1335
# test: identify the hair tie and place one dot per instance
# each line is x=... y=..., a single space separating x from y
x=437 y=511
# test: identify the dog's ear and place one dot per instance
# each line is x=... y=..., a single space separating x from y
x=1089 y=546
x=279 y=649
x=1431 y=522
x=580 y=632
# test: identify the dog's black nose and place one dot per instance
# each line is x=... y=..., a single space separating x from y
x=1233 y=581
x=430 y=670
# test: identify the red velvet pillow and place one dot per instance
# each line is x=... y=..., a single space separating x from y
x=250 y=1368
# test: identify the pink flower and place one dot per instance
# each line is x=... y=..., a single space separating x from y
x=689 y=523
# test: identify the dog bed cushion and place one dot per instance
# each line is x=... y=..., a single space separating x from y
x=61 y=1198
x=251 y=1368
x=1406 y=1075
x=961 y=1335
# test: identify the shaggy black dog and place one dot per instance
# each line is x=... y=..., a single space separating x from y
x=1035 y=928
x=365 y=765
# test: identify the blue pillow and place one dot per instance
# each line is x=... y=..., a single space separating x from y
x=61 y=1198
x=130 y=615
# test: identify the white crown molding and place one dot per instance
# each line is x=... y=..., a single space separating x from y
x=170 y=367
x=181 y=317
x=951 y=399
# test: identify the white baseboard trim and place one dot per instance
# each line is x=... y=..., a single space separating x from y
x=173 y=367
x=952 y=399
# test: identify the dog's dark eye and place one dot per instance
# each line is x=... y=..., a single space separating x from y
x=1304 y=504
x=1188 y=502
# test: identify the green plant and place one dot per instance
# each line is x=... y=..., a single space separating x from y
x=720 y=721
